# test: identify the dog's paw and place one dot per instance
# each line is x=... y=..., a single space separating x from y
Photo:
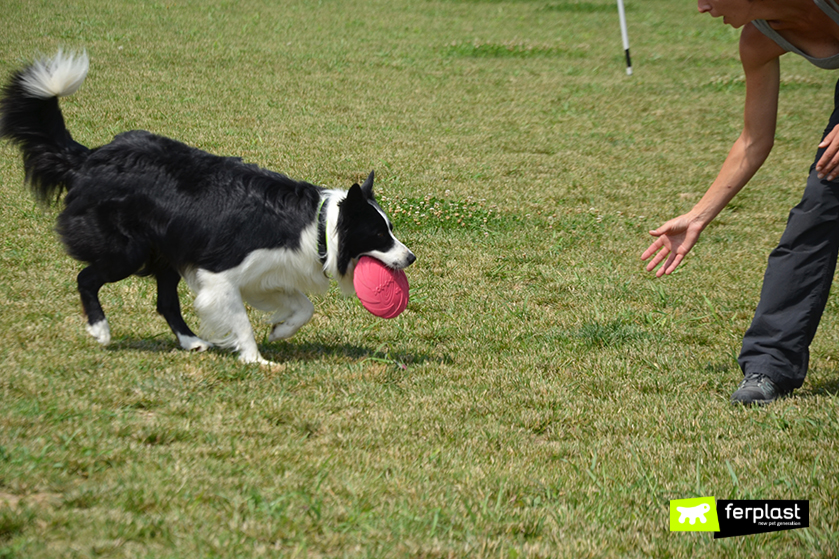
x=192 y=343
x=272 y=365
x=261 y=361
x=283 y=331
x=101 y=331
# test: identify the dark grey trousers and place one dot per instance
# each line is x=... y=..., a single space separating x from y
x=796 y=283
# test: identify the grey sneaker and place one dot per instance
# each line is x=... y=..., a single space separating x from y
x=756 y=388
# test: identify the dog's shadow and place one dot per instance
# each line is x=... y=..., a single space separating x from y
x=286 y=351
x=280 y=352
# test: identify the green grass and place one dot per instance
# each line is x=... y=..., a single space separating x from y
x=542 y=396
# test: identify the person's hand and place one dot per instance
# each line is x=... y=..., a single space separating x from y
x=828 y=163
x=674 y=240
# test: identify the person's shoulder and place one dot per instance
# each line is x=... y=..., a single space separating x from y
x=756 y=49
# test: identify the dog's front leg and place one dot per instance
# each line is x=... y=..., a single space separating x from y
x=224 y=319
x=297 y=311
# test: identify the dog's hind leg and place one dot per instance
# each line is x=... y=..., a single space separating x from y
x=91 y=280
x=169 y=307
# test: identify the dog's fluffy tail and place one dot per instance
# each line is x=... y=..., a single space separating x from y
x=31 y=118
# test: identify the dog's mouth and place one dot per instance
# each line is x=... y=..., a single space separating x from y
x=397 y=262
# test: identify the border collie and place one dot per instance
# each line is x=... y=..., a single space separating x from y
x=151 y=206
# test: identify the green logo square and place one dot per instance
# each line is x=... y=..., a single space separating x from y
x=694 y=515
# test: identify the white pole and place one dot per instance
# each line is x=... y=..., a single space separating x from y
x=625 y=37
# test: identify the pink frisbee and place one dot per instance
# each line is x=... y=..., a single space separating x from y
x=383 y=291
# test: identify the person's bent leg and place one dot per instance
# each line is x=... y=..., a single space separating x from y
x=794 y=294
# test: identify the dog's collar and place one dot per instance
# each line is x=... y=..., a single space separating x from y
x=322 y=245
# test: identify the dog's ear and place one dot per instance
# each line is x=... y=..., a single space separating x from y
x=367 y=187
x=355 y=195
x=360 y=194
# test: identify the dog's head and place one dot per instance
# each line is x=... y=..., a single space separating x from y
x=363 y=229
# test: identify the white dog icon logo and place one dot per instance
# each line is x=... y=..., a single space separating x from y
x=693 y=513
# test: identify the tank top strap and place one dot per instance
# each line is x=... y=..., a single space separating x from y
x=831 y=9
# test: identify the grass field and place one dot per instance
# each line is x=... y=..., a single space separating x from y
x=542 y=396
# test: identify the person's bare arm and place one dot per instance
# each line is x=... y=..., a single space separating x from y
x=675 y=238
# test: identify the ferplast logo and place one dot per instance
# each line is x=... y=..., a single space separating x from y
x=730 y=518
x=694 y=515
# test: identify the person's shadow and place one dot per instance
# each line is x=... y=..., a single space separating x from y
x=826 y=385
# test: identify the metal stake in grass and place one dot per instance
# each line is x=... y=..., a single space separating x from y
x=625 y=37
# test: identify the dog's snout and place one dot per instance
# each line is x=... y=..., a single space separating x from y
x=411 y=259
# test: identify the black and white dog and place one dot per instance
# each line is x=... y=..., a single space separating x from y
x=152 y=206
